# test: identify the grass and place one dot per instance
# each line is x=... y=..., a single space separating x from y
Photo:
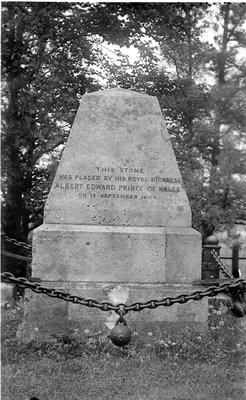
x=172 y=366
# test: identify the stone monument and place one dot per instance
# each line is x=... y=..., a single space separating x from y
x=117 y=222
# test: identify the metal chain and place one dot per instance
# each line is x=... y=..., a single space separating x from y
x=18 y=256
x=223 y=266
x=17 y=243
x=239 y=286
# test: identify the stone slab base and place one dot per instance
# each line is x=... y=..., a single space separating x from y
x=46 y=317
x=116 y=254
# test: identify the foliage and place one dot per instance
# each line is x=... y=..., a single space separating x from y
x=52 y=54
x=47 y=62
x=201 y=88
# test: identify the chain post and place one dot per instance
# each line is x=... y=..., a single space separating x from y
x=235 y=256
x=210 y=268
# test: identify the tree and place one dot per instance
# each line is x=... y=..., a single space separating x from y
x=227 y=177
x=52 y=55
x=47 y=58
x=201 y=89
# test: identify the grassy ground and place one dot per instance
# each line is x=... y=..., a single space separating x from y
x=172 y=366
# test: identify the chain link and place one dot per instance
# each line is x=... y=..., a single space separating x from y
x=223 y=266
x=18 y=256
x=17 y=243
x=237 y=287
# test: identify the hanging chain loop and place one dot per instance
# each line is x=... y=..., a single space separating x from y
x=222 y=266
x=17 y=243
x=232 y=288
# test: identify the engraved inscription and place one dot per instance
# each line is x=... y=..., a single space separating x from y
x=118 y=183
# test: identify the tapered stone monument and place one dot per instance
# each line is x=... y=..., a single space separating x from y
x=117 y=222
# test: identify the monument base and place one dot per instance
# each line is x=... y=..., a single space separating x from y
x=89 y=253
x=119 y=264
x=46 y=317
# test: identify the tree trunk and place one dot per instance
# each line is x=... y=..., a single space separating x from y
x=221 y=82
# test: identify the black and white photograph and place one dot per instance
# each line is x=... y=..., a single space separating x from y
x=123 y=200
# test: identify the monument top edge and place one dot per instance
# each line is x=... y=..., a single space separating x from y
x=116 y=91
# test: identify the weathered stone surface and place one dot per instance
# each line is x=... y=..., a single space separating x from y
x=118 y=167
x=116 y=254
